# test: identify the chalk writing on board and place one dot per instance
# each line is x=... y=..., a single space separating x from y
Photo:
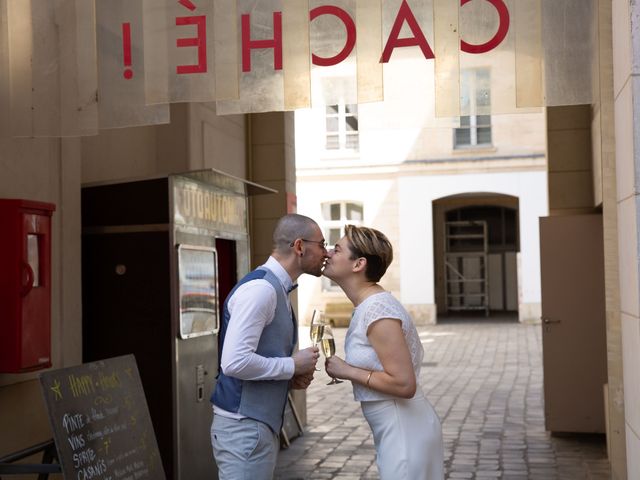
x=101 y=423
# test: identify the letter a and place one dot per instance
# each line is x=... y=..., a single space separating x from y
x=406 y=15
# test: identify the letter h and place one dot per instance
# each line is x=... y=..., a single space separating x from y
x=275 y=43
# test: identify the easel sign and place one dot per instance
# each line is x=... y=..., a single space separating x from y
x=291 y=425
x=100 y=421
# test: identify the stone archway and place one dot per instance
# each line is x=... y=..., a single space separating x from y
x=498 y=292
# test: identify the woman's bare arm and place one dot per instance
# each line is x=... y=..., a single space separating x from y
x=397 y=377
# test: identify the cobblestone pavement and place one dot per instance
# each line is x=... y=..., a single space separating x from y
x=484 y=379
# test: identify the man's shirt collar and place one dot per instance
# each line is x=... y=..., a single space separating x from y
x=279 y=271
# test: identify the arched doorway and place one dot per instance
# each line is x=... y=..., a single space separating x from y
x=476 y=245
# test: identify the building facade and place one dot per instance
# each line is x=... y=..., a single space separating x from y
x=395 y=166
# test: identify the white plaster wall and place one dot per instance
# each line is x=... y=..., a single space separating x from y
x=404 y=126
x=311 y=195
x=416 y=226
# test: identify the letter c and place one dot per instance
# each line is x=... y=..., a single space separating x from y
x=351 y=34
x=503 y=29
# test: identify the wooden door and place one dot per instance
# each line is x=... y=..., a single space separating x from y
x=573 y=322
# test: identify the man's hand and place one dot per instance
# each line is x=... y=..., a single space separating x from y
x=301 y=382
x=305 y=361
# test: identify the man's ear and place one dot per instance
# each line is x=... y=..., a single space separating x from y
x=297 y=247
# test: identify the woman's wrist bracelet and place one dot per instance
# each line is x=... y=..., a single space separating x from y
x=368 y=379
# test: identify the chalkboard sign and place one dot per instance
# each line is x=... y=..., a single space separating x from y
x=100 y=421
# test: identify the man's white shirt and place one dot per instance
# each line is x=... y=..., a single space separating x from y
x=252 y=307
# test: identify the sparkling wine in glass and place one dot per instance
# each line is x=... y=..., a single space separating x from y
x=317 y=328
x=328 y=346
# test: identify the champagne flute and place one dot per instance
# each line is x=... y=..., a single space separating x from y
x=328 y=346
x=317 y=328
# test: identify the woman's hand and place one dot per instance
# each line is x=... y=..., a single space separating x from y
x=336 y=367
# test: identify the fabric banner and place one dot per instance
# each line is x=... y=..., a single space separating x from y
x=121 y=66
x=261 y=82
x=48 y=83
x=72 y=67
x=179 y=51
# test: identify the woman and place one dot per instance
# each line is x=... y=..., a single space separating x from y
x=383 y=359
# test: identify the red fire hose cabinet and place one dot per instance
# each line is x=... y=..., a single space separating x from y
x=25 y=285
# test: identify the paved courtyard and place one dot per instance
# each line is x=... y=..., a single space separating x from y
x=484 y=379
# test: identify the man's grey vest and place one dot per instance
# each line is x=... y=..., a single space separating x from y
x=262 y=400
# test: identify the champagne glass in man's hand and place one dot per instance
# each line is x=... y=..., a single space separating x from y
x=317 y=328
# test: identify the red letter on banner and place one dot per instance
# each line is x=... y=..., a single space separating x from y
x=503 y=29
x=248 y=44
x=199 y=41
x=406 y=15
x=351 y=34
x=188 y=4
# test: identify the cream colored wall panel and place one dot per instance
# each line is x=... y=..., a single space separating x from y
x=570 y=190
x=569 y=150
x=634 y=10
x=172 y=143
x=631 y=356
x=122 y=153
x=625 y=164
x=262 y=240
x=628 y=253
x=267 y=162
x=216 y=141
x=23 y=418
x=621 y=44
x=29 y=169
x=571 y=117
x=222 y=151
x=515 y=133
x=265 y=205
x=70 y=272
x=267 y=128
x=596 y=157
x=633 y=461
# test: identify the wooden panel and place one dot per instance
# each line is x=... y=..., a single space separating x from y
x=573 y=313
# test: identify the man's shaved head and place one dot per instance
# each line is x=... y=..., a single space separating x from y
x=289 y=228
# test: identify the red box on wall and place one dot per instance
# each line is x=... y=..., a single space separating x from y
x=25 y=285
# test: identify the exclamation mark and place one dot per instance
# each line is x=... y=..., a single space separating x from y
x=126 y=49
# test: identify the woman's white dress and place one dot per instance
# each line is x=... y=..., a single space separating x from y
x=407 y=432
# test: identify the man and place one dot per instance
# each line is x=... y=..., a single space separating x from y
x=257 y=338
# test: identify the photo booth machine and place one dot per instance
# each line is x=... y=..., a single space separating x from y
x=159 y=257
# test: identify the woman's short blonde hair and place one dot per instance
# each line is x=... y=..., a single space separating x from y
x=374 y=246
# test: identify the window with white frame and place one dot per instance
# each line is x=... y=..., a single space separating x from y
x=342 y=127
x=475 y=105
x=335 y=215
